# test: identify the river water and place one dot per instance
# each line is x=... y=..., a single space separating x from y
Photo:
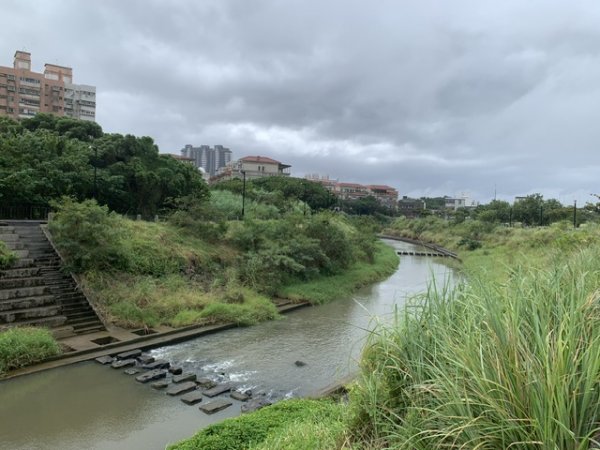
x=94 y=407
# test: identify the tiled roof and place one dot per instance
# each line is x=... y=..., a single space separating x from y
x=260 y=159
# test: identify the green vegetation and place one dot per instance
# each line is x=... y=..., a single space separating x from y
x=7 y=257
x=292 y=424
x=361 y=273
x=20 y=347
x=45 y=157
x=198 y=268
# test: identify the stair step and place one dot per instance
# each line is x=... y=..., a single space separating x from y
x=77 y=315
x=7 y=294
x=50 y=322
x=82 y=320
x=8 y=237
x=21 y=282
x=23 y=262
x=21 y=253
x=15 y=315
x=5 y=229
x=90 y=329
x=29 y=302
x=14 y=245
x=19 y=273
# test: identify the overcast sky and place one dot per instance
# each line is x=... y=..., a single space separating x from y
x=431 y=97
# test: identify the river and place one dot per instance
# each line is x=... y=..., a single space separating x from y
x=90 y=406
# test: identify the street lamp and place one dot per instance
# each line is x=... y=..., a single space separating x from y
x=243 y=172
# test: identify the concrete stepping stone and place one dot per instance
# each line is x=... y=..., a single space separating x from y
x=255 y=404
x=160 y=384
x=192 y=398
x=185 y=377
x=176 y=370
x=158 y=364
x=217 y=390
x=151 y=375
x=146 y=359
x=123 y=363
x=215 y=406
x=105 y=360
x=131 y=371
x=182 y=388
x=206 y=383
x=130 y=354
x=239 y=396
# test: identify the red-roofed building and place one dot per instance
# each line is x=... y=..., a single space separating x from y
x=253 y=167
x=386 y=195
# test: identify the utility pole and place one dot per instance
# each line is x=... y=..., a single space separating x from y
x=304 y=196
x=575 y=214
x=510 y=217
x=95 y=171
x=541 y=215
x=243 y=193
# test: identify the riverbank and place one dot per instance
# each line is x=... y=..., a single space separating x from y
x=511 y=357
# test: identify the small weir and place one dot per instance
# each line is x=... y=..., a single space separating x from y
x=95 y=406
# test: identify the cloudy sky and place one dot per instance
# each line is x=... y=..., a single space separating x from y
x=431 y=97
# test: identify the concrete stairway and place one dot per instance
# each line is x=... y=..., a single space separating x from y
x=34 y=291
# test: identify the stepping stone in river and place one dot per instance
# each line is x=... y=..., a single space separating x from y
x=176 y=370
x=130 y=354
x=123 y=363
x=239 y=396
x=131 y=371
x=217 y=390
x=206 y=383
x=182 y=388
x=215 y=406
x=105 y=359
x=158 y=364
x=192 y=398
x=255 y=404
x=152 y=375
x=185 y=377
x=146 y=359
x=160 y=384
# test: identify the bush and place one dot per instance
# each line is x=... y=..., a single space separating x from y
x=7 y=258
x=20 y=347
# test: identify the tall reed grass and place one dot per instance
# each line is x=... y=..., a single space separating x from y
x=489 y=365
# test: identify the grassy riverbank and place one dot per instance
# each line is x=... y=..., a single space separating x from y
x=510 y=359
x=193 y=271
x=21 y=347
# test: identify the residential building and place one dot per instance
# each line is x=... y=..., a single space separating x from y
x=184 y=159
x=211 y=160
x=462 y=201
x=251 y=167
x=410 y=207
x=325 y=181
x=24 y=93
x=386 y=195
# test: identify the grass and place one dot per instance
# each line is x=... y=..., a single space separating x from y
x=361 y=273
x=292 y=424
x=20 y=347
x=511 y=363
x=7 y=257
x=176 y=300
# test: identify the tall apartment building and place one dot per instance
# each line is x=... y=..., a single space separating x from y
x=24 y=93
x=208 y=158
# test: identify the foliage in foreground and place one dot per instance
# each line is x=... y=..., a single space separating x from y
x=291 y=424
x=20 y=347
x=6 y=256
x=490 y=365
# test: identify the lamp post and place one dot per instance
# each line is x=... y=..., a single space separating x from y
x=243 y=192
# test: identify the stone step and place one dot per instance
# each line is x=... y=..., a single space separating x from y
x=9 y=237
x=50 y=322
x=14 y=315
x=91 y=329
x=23 y=262
x=12 y=283
x=14 y=245
x=62 y=332
x=30 y=302
x=89 y=312
x=5 y=229
x=19 y=273
x=21 y=253
x=83 y=321
x=7 y=294
x=87 y=324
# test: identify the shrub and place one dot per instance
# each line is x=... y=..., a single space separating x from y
x=20 y=347
x=7 y=258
